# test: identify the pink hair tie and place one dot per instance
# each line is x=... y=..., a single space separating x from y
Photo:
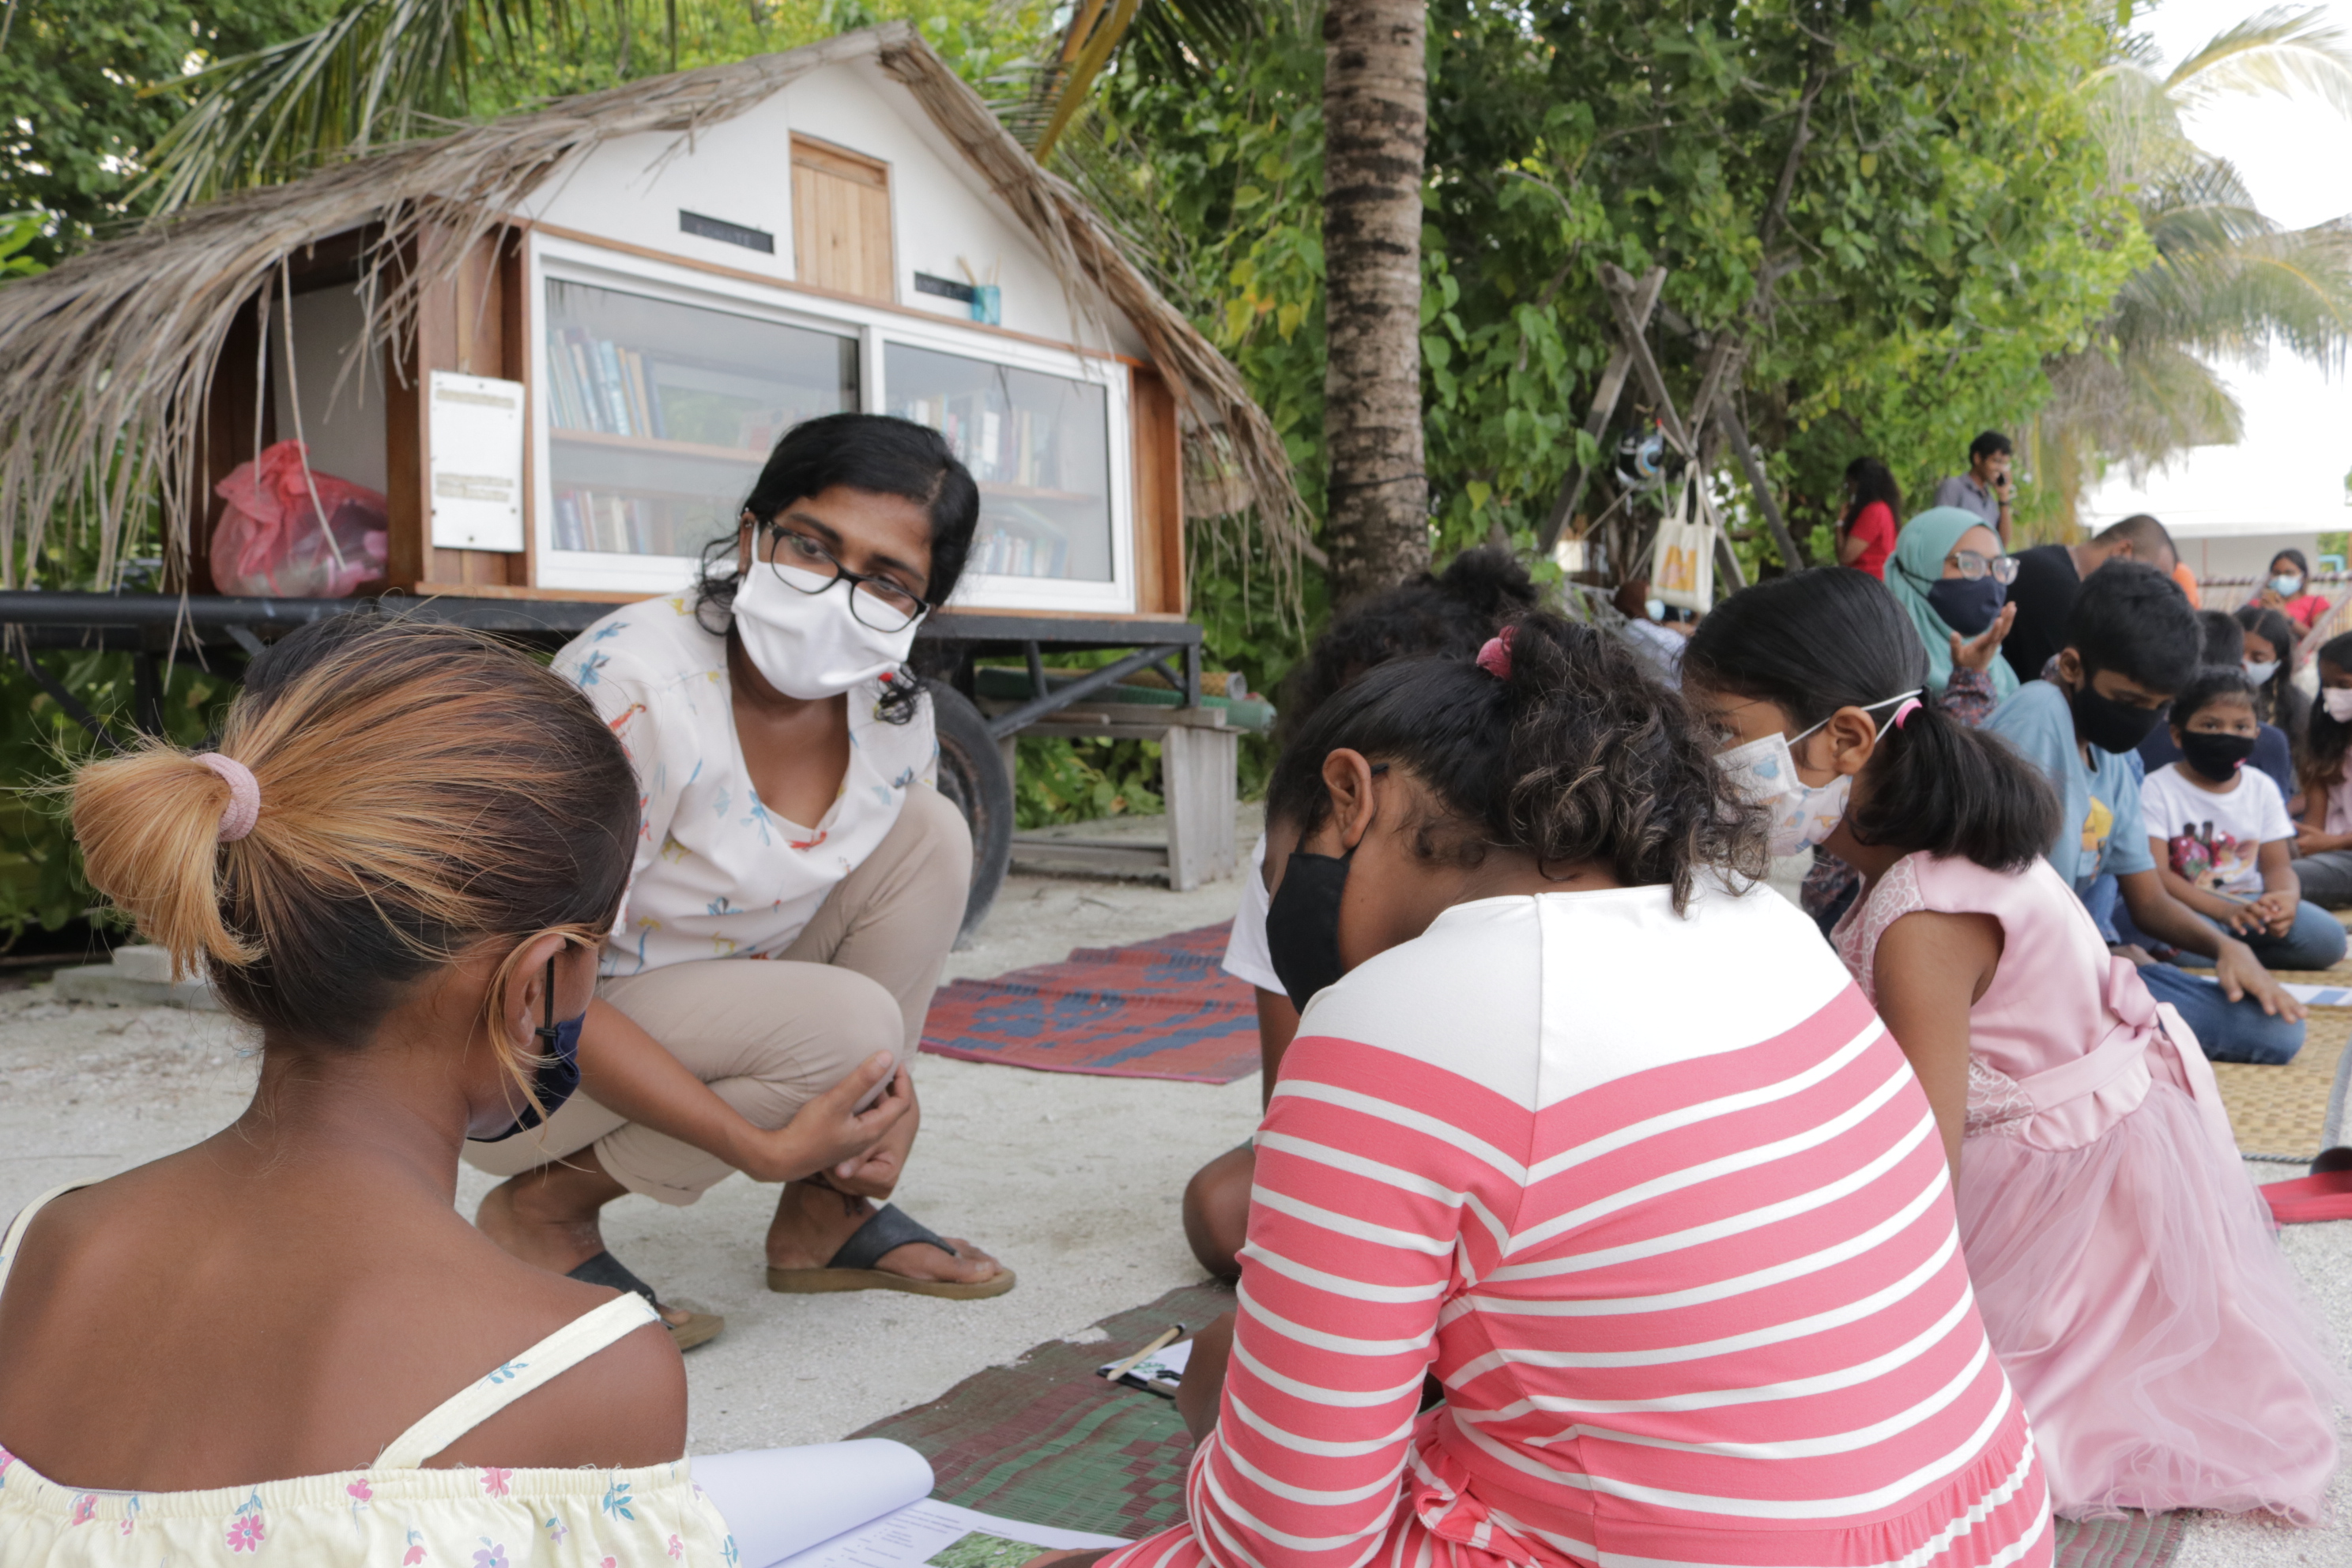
x=1910 y=707
x=244 y=807
x=1495 y=659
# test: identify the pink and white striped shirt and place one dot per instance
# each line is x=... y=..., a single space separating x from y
x=1659 y=1202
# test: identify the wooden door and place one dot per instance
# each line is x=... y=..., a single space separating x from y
x=841 y=221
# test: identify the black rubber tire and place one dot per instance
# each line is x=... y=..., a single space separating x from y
x=972 y=776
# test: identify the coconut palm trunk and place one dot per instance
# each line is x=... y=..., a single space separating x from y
x=1375 y=130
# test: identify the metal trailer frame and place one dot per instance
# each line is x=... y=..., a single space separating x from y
x=974 y=772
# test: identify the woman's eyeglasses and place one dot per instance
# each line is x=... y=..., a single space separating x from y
x=806 y=566
x=2003 y=569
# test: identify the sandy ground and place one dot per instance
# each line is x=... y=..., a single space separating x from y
x=1073 y=1181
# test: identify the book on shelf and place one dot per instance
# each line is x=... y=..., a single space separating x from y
x=601 y=386
x=999 y=444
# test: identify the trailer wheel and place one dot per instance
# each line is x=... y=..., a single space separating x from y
x=972 y=774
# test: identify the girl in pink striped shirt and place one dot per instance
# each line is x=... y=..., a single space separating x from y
x=1617 y=1154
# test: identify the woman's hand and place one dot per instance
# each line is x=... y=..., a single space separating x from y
x=875 y=1173
x=1977 y=653
x=828 y=1132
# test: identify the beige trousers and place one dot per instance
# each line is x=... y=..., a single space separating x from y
x=769 y=1036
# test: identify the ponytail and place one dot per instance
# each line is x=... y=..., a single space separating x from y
x=1816 y=641
x=422 y=790
x=1938 y=787
x=149 y=825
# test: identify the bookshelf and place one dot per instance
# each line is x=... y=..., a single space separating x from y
x=661 y=414
x=1038 y=446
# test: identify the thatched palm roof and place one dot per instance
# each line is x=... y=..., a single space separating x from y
x=104 y=361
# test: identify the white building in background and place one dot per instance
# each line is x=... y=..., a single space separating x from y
x=2232 y=508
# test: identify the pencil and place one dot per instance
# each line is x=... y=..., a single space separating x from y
x=1132 y=1362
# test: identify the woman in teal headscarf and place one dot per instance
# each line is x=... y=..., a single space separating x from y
x=1950 y=577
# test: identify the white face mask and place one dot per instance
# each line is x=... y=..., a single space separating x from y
x=1803 y=815
x=2261 y=670
x=2338 y=703
x=808 y=645
x=2287 y=585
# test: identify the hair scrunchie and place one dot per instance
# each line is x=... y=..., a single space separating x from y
x=1495 y=659
x=244 y=807
x=1910 y=707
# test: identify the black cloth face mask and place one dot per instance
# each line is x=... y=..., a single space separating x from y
x=2110 y=725
x=1302 y=924
x=559 y=1073
x=2215 y=756
x=1966 y=607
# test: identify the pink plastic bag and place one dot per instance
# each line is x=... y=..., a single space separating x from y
x=269 y=542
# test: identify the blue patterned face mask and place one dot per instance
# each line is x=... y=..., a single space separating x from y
x=1764 y=770
x=558 y=1075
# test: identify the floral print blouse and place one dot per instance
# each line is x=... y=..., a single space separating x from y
x=717 y=874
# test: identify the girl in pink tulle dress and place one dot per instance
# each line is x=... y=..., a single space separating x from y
x=2122 y=1260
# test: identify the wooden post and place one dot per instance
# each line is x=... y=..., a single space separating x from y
x=1736 y=430
x=1605 y=395
x=1198 y=764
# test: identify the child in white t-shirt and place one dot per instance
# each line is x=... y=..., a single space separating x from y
x=2220 y=833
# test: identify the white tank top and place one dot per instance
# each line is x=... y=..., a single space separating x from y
x=392 y=1514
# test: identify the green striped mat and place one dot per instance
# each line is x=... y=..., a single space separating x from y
x=1046 y=1441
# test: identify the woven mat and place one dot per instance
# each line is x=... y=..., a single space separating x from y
x=2280 y=1113
x=1162 y=1008
x=1047 y=1441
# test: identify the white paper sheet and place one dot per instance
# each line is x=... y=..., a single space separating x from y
x=780 y=1502
x=1165 y=1366
x=2320 y=995
x=932 y=1534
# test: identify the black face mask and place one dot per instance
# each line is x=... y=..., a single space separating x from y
x=2215 y=757
x=2110 y=725
x=558 y=1076
x=1966 y=607
x=1302 y=924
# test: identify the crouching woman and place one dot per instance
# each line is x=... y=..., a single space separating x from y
x=797 y=882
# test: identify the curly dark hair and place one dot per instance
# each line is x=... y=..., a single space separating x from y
x=870 y=452
x=1578 y=756
x=1450 y=612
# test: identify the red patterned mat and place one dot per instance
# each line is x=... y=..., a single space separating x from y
x=1151 y=1009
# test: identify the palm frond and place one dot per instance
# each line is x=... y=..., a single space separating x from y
x=2286 y=50
x=382 y=71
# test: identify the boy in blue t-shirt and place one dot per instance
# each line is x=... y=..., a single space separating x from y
x=2132 y=642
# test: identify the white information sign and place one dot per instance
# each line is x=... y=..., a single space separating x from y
x=474 y=430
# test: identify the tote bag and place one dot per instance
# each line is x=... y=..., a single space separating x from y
x=1682 y=562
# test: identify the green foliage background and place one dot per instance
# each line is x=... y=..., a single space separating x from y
x=1949 y=229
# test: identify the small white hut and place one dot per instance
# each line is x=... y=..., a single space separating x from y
x=562 y=343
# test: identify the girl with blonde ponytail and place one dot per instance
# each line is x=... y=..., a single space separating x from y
x=395 y=867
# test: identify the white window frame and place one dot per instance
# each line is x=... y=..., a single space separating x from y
x=558 y=260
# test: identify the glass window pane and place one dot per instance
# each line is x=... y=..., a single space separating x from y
x=1038 y=445
x=660 y=415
